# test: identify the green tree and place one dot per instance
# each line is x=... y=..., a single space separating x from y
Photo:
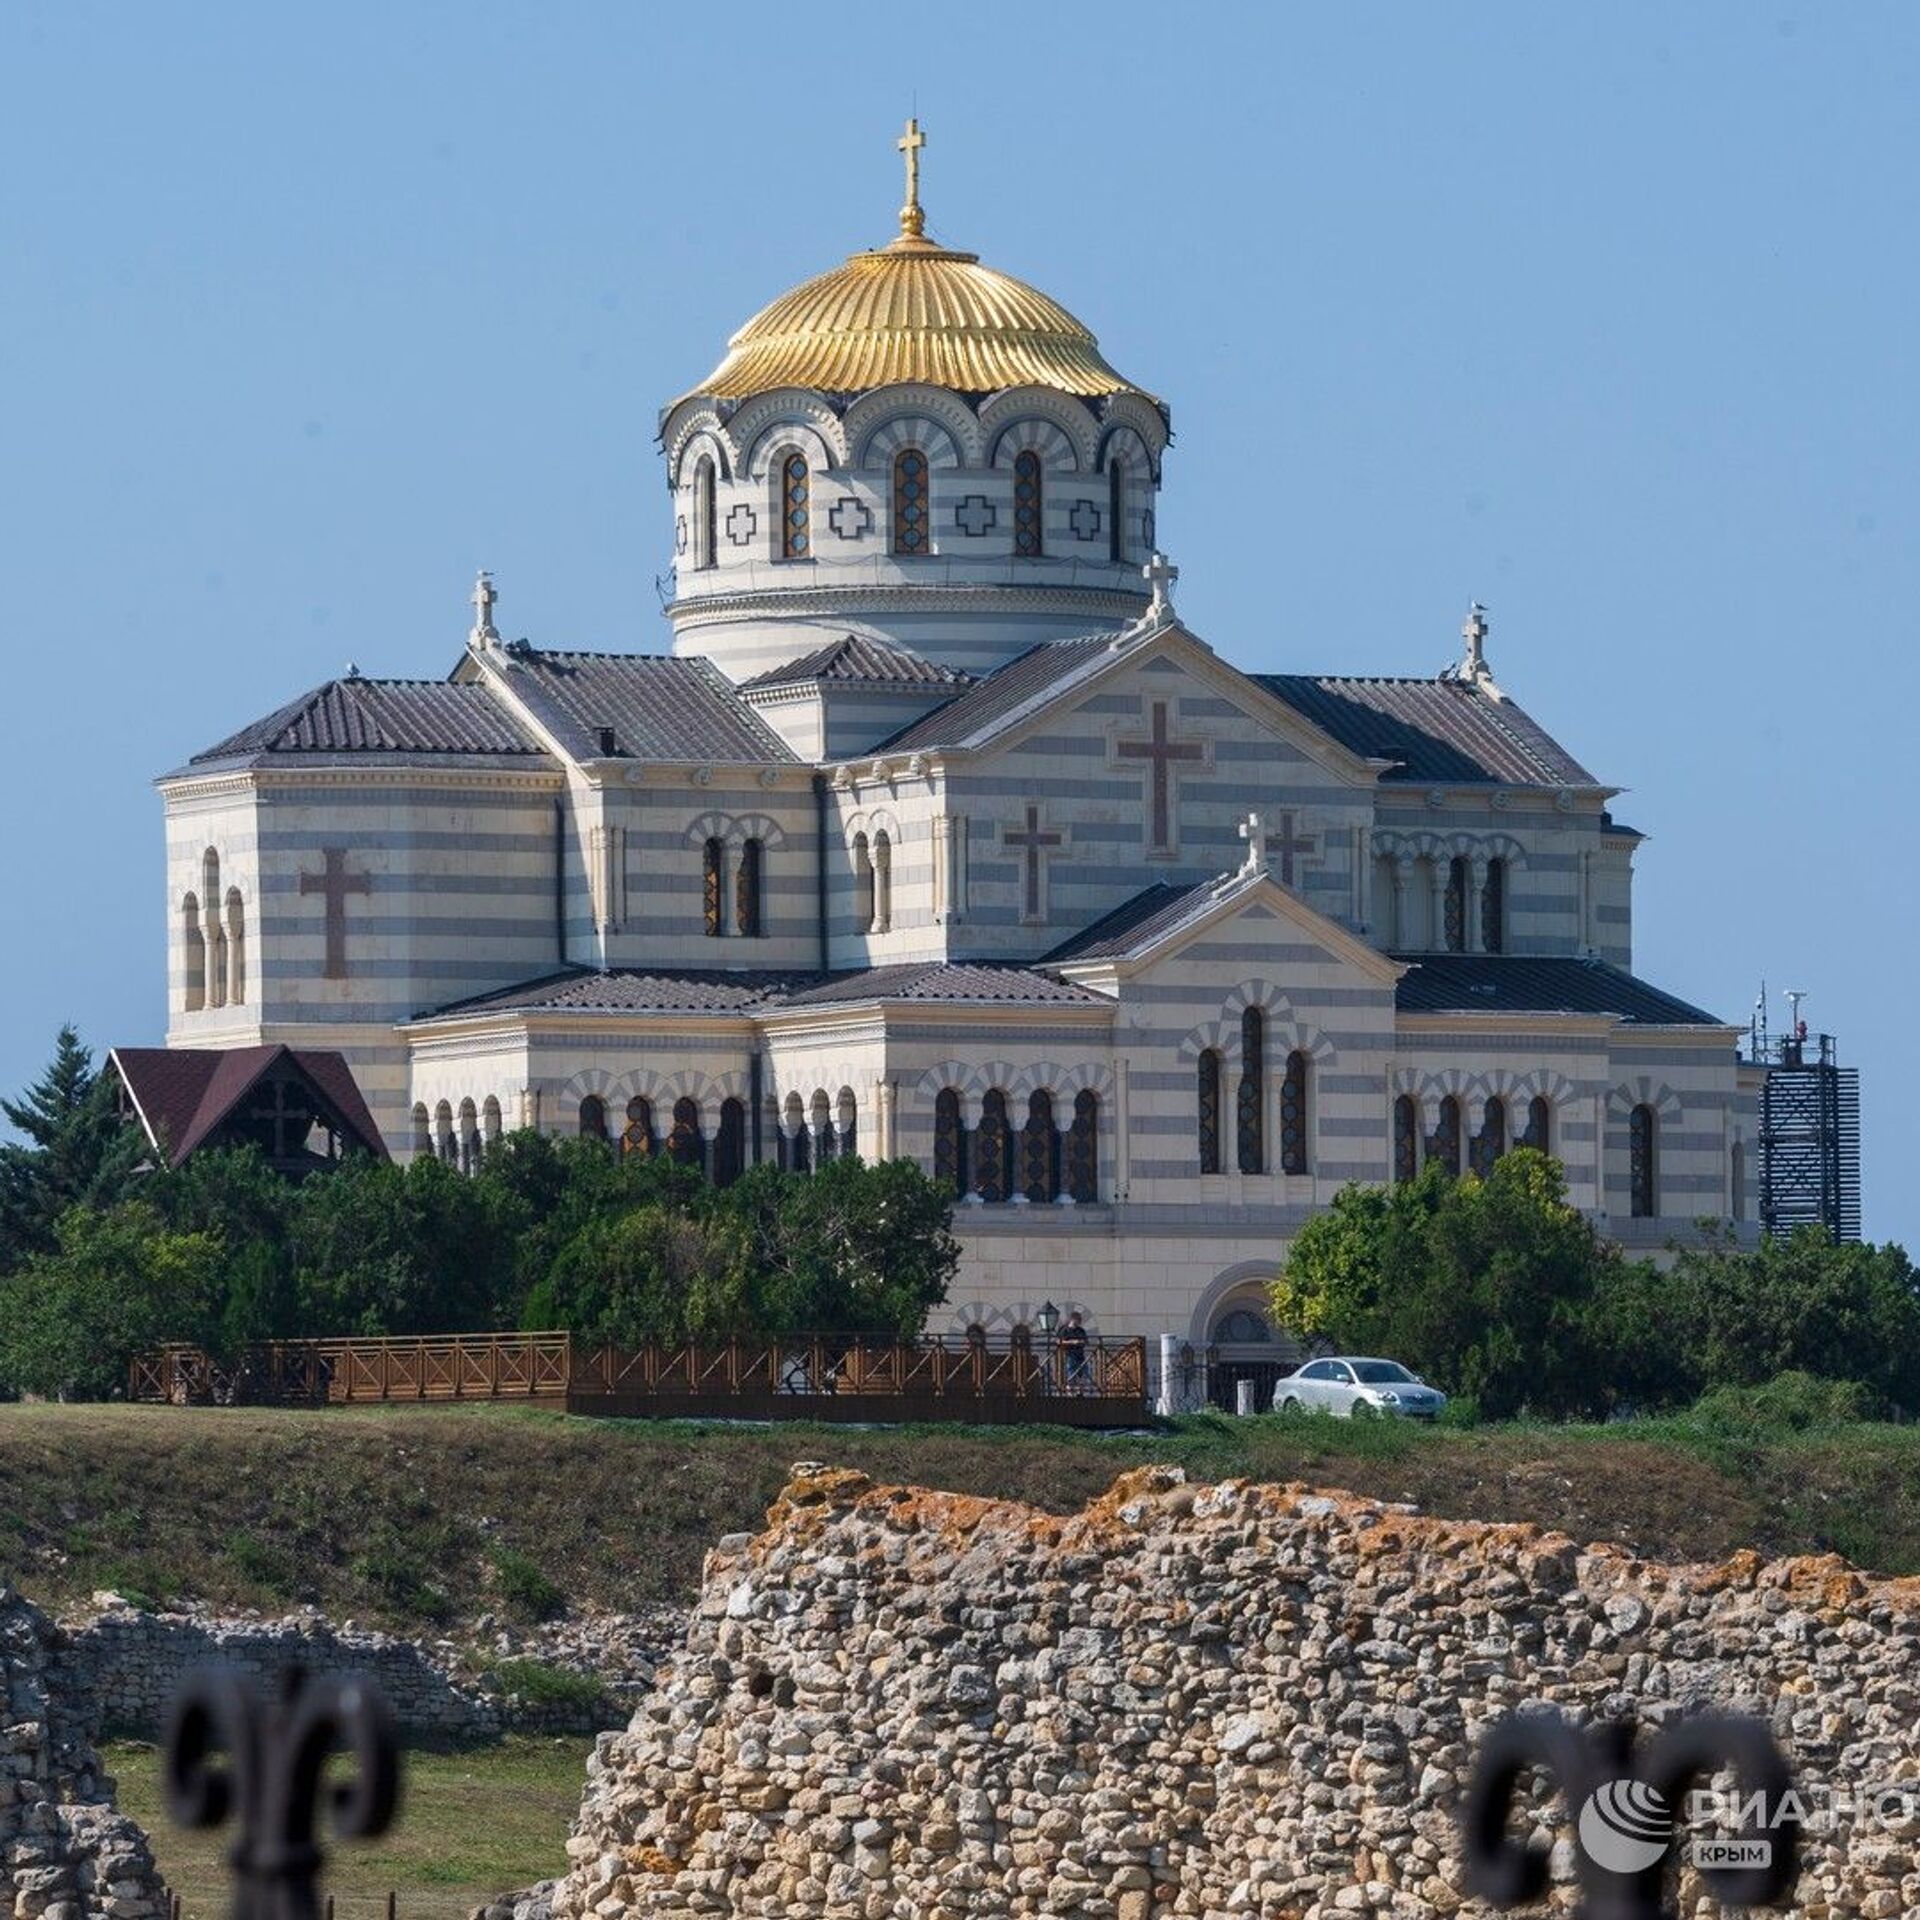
x=233 y=1193
x=116 y=1282
x=77 y=1150
x=656 y=1273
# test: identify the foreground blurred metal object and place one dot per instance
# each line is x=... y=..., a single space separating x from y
x=1627 y=1801
x=234 y=1751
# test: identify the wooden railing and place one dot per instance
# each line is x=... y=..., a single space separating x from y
x=811 y=1376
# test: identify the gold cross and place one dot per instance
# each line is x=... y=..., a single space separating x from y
x=912 y=220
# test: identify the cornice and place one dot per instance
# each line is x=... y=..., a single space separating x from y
x=712 y=609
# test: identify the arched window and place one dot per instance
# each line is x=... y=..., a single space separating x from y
x=746 y=892
x=1083 y=1149
x=1493 y=908
x=882 y=882
x=1211 y=1075
x=1242 y=1327
x=730 y=1144
x=1539 y=1124
x=1406 y=1138
x=1040 y=1150
x=714 y=867
x=1293 y=1115
x=1029 y=533
x=236 y=949
x=1491 y=1141
x=1643 y=1162
x=490 y=1125
x=1445 y=1144
x=446 y=1144
x=216 y=934
x=911 y=515
x=684 y=1143
x=846 y=1113
x=1250 y=1117
x=796 y=517
x=1455 y=935
x=1737 y=1178
x=862 y=884
x=636 y=1137
x=1116 y=508
x=593 y=1118
x=705 y=545
x=820 y=1120
x=469 y=1137
x=993 y=1171
x=194 y=944
x=949 y=1144
x=794 y=1132
x=422 y=1130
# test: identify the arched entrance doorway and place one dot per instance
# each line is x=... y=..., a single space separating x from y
x=1241 y=1341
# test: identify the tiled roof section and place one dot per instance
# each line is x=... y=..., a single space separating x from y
x=860 y=660
x=1003 y=984
x=654 y=706
x=990 y=703
x=382 y=716
x=1136 y=924
x=1438 y=730
x=1524 y=983
x=184 y=1093
x=715 y=991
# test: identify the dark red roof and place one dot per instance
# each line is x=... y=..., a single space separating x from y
x=182 y=1094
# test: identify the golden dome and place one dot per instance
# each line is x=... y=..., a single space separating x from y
x=913 y=310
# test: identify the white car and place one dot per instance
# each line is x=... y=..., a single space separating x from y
x=1347 y=1384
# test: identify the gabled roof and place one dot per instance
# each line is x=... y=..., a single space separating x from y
x=718 y=991
x=1029 y=679
x=183 y=1094
x=1135 y=923
x=861 y=660
x=1544 y=983
x=655 y=706
x=1439 y=731
x=355 y=716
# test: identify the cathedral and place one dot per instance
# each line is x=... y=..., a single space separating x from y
x=938 y=834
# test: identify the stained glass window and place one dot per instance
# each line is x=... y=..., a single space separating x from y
x=593 y=1117
x=705 y=546
x=684 y=1143
x=993 y=1175
x=1116 y=509
x=949 y=1144
x=796 y=519
x=1293 y=1115
x=1456 y=929
x=715 y=867
x=1083 y=1148
x=910 y=504
x=1406 y=1138
x=730 y=1144
x=1445 y=1144
x=1491 y=1141
x=637 y=1136
x=1027 y=505
x=1643 y=1171
x=746 y=892
x=1493 y=908
x=1539 y=1124
x=1040 y=1150
x=1210 y=1077
x=1250 y=1117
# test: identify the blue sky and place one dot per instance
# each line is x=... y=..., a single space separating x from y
x=1604 y=315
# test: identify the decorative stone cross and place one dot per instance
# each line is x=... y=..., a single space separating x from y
x=289 y=1113
x=1287 y=845
x=975 y=515
x=1035 y=842
x=1474 y=633
x=1254 y=835
x=485 y=599
x=1084 y=519
x=741 y=522
x=1164 y=752
x=335 y=884
x=1161 y=573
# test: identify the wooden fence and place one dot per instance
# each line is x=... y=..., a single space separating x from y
x=807 y=1377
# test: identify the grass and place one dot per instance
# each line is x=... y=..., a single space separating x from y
x=472 y=1825
x=415 y=1517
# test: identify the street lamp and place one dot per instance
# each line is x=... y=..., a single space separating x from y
x=1048 y=1318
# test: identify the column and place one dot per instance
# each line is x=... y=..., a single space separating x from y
x=1437 y=873
x=1402 y=886
x=1122 y=1131
x=1475 y=902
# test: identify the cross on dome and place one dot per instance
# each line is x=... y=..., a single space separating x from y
x=913 y=219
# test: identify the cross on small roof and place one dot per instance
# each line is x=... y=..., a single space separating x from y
x=1160 y=573
x=1254 y=834
x=1474 y=633
x=484 y=601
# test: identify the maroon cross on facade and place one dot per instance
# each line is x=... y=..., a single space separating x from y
x=1164 y=752
x=1034 y=841
x=1286 y=846
x=336 y=883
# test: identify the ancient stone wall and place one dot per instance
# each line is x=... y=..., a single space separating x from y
x=64 y=1853
x=1189 y=1701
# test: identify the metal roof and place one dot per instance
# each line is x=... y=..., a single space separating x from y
x=355 y=716
x=183 y=1094
x=1439 y=731
x=1538 y=983
x=1137 y=923
x=1029 y=678
x=861 y=660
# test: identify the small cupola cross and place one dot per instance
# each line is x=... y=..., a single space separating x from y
x=1160 y=574
x=485 y=599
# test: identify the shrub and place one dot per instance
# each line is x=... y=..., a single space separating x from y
x=539 y=1685
x=1789 y=1403
x=523 y=1585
